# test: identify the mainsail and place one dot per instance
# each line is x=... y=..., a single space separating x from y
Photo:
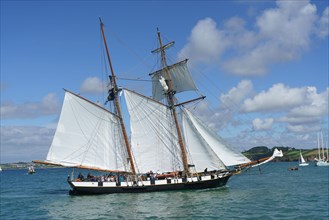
x=153 y=138
x=86 y=135
x=180 y=77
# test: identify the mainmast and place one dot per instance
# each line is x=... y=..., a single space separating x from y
x=116 y=102
x=170 y=98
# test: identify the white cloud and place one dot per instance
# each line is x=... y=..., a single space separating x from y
x=92 y=85
x=303 y=137
x=299 y=120
x=49 y=105
x=303 y=108
x=236 y=94
x=289 y=25
x=262 y=124
x=314 y=106
x=323 y=24
x=278 y=116
x=205 y=43
x=281 y=34
x=230 y=102
x=303 y=129
x=278 y=98
x=308 y=111
x=24 y=143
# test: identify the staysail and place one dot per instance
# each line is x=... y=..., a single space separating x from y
x=153 y=137
x=226 y=154
x=86 y=136
x=198 y=148
x=180 y=77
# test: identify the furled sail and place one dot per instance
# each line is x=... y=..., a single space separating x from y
x=153 y=137
x=202 y=155
x=227 y=155
x=86 y=136
x=180 y=77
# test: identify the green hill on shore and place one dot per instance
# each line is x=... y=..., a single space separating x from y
x=289 y=154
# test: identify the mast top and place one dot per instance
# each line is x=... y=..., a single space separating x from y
x=100 y=20
x=162 y=47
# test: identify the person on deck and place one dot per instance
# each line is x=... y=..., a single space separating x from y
x=90 y=177
x=205 y=171
x=80 y=176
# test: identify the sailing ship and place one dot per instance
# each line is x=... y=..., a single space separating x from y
x=302 y=161
x=170 y=147
x=322 y=160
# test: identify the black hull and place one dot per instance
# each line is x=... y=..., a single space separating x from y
x=213 y=183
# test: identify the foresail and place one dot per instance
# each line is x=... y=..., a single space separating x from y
x=302 y=158
x=180 y=77
x=202 y=156
x=87 y=135
x=225 y=153
x=153 y=137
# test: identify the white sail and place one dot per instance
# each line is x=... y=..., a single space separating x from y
x=153 y=137
x=302 y=160
x=319 y=148
x=180 y=77
x=225 y=153
x=202 y=155
x=86 y=135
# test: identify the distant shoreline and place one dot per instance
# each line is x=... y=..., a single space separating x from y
x=255 y=153
x=25 y=165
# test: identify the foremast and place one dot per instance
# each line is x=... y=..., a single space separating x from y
x=117 y=107
x=170 y=98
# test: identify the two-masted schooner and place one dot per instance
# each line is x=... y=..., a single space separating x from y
x=169 y=147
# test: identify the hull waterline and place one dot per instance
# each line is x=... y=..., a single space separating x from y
x=153 y=186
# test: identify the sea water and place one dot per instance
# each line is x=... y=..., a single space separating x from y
x=271 y=192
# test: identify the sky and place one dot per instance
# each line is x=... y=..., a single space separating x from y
x=263 y=65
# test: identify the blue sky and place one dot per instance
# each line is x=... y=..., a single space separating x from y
x=263 y=65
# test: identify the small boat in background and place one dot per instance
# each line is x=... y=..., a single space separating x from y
x=292 y=168
x=302 y=162
x=31 y=170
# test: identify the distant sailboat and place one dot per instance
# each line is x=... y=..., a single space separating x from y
x=302 y=161
x=166 y=137
x=322 y=160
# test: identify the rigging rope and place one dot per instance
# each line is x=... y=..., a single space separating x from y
x=234 y=104
x=136 y=79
